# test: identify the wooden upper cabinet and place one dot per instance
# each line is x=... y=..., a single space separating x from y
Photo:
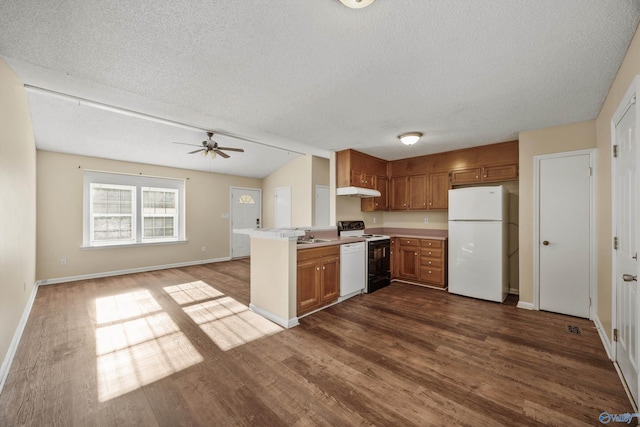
x=466 y=176
x=417 y=192
x=398 y=193
x=370 y=204
x=438 y=190
x=500 y=173
x=362 y=179
x=358 y=169
x=423 y=183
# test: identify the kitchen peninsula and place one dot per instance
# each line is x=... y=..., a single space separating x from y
x=274 y=263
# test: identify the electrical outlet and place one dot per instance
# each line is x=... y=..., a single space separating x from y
x=224 y=215
x=426 y=220
x=204 y=248
x=63 y=261
x=374 y=219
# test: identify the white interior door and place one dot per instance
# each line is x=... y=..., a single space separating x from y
x=283 y=207
x=246 y=212
x=564 y=238
x=626 y=256
x=322 y=205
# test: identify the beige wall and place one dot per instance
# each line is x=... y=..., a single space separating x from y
x=302 y=175
x=575 y=136
x=17 y=208
x=628 y=70
x=59 y=235
x=297 y=175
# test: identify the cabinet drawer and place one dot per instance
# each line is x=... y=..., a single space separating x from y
x=321 y=252
x=430 y=243
x=430 y=262
x=433 y=275
x=408 y=242
x=431 y=253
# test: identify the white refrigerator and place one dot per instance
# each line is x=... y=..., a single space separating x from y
x=478 y=242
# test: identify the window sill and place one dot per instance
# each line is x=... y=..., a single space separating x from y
x=134 y=245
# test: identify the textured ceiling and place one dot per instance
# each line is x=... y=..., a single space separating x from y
x=309 y=76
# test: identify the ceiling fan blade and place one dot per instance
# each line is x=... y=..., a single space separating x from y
x=239 y=150
x=184 y=143
x=196 y=151
x=223 y=154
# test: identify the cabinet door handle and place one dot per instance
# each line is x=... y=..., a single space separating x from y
x=318 y=268
x=429 y=253
x=429 y=271
x=429 y=262
x=323 y=267
x=476 y=176
x=429 y=243
x=416 y=254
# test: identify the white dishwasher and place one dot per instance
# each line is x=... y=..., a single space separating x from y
x=353 y=275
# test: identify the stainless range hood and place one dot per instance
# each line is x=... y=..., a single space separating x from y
x=357 y=192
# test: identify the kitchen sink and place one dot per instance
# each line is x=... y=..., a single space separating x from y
x=310 y=241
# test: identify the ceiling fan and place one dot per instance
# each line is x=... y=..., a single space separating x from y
x=212 y=148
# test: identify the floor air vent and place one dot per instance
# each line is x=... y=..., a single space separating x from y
x=574 y=330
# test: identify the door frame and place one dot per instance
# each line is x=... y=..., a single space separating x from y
x=625 y=103
x=593 y=273
x=289 y=192
x=231 y=205
x=315 y=210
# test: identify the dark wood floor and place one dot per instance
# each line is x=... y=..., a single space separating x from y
x=178 y=347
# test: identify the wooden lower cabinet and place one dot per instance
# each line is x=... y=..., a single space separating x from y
x=318 y=278
x=433 y=262
x=423 y=261
x=408 y=258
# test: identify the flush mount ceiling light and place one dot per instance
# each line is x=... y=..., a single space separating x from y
x=410 y=138
x=356 y=4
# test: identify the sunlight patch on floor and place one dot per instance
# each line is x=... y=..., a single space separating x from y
x=137 y=352
x=187 y=293
x=125 y=306
x=229 y=323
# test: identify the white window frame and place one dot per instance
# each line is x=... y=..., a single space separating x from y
x=163 y=215
x=92 y=214
x=140 y=183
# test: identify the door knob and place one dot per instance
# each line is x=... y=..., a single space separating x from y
x=629 y=278
x=546 y=243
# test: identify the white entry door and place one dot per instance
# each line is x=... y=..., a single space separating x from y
x=246 y=212
x=564 y=237
x=625 y=183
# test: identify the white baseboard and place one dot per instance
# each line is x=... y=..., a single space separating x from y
x=128 y=271
x=603 y=337
x=290 y=323
x=514 y=291
x=13 y=347
x=525 y=305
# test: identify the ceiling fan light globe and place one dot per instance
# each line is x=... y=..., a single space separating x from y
x=204 y=153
